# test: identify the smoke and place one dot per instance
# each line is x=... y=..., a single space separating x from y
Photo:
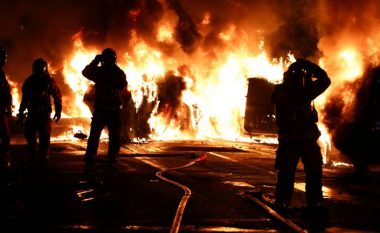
x=170 y=93
x=349 y=26
x=204 y=32
x=186 y=31
x=297 y=32
x=305 y=28
x=39 y=29
x=352 y=123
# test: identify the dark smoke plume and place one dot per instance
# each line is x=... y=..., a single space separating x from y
x=353 y=127
x=297 y=32
x=170 y=93
x=39 y=28
x=186 y=31
x=31 y=29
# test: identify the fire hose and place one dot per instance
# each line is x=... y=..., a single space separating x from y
x=181 y=207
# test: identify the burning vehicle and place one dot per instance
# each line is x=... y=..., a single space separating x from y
x=259 y=110
x=358 y=136
x=135 y=120
x=187 y=62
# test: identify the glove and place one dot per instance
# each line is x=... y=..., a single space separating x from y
x=57 y=116
x=98 y=58
x=315 y=70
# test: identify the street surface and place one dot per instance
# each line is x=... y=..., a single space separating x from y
x=175 y=186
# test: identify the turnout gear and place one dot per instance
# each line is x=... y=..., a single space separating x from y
x=110 y=82
x=37 y=91
x=5 y=112
x=40 y=66
x=296 y=119
x=108 y=56
x=5 y=90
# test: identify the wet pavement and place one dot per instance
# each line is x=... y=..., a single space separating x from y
x=183 y=186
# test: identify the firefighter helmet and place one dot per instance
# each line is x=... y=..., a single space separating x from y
x=40 y=66
x=297 y=74
x=109 y=56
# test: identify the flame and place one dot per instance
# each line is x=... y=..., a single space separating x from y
x=15 y=96
x=165 y=30
x=351 y=64
x=341 y=164
x=324 y=141
x=206 y=19
x=164 y=34
x=215 y=103
x=344 y=64
x=69 y=135
x=228 y=34
x=214 y=99
x=72 y=71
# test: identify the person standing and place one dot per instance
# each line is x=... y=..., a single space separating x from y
x=110 y=85
x=37 y=91
x=296 y=119
x=5 y=112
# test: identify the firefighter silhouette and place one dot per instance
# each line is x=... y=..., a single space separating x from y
x=298 y=133
x=110 y=87
x=5 y=112
x=37 y=91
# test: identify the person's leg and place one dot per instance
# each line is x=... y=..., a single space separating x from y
x=286 y=163
x=44 y=133
x=97 y=125
x=312 y=160
x=30 y=133
x=114 y=125
x=5 y=138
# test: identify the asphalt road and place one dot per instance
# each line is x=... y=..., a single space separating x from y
x=183 y=186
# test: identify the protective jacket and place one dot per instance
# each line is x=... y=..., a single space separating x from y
x=109 y=81
x=36 y=93
x=296 y=116
x=5 y=94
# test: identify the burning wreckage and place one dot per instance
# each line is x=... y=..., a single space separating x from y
x=135 y=121
x=259 y=114
x=259 y=110
x=355 y=127
x=356 y=137
x=210 y=54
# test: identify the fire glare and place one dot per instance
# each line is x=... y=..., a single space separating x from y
x=213 y=99
x=215 y=92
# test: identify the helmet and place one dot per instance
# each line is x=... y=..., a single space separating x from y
x=109 y=56
x=3 y=56
x=40 y=66
x=297 y=75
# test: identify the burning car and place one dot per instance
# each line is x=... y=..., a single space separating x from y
x=358 y=136
x=259 y=111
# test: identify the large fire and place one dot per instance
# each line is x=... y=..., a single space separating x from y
x=215 y=92
x=209 y=85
